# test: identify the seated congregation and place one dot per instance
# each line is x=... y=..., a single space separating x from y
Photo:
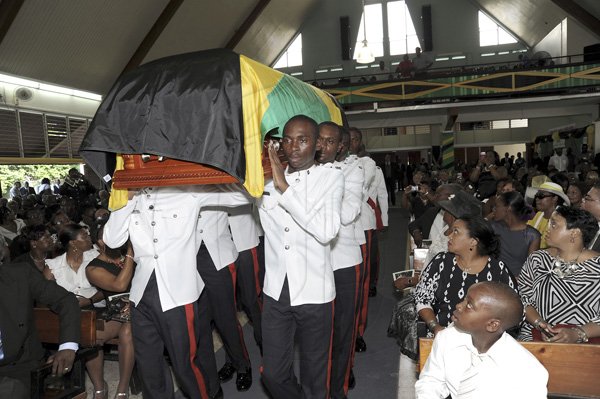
x=503 y=264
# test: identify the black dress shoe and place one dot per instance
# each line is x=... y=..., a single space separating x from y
x=351 y=380
x=373 y=291
x=243 y=382
x=226 y=372
x=219 y=394
x=361 y=345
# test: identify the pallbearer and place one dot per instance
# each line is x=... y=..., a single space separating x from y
x=246 y=232
x=216 y=266
x=346 y=257
x=368 y=223
x=300 y=214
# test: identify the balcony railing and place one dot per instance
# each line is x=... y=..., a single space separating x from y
x=545 y=76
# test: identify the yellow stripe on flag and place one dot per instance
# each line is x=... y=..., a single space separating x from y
x=257 y=82
x=118 y=197
x=334 y=111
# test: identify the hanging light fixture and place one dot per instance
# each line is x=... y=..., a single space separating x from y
x=365 y=55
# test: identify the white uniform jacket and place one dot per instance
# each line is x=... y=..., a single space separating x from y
x=367 y=214
x=161 y=223
x=345 y=248
x=245 y=229
x=378 y=193
x=213 y=231
x=299 y=226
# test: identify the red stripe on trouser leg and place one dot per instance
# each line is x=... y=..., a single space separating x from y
x=330 y=349
x=233 y=272
x=256 y=276
x=189 y=317
x=363 y=249
x=352 y=352
x=365 y=288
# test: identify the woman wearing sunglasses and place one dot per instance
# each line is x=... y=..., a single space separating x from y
x=549 y=196
x=560 y=286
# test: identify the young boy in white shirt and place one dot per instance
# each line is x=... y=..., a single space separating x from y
x=475 y=358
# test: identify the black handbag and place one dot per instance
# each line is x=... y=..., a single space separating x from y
x=403 y=326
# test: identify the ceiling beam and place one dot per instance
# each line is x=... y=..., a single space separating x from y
x=580 y=14
x=154 y=33
x=247 y=24
x=8 y=12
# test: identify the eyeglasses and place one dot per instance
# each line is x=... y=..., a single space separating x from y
x=542 y=196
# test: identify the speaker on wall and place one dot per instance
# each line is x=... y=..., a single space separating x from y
x=345 y=38
x=427 y=34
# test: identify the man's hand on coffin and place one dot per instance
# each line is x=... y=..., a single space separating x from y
x=278 y=170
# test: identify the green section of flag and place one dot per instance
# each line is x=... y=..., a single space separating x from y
x=291 y=97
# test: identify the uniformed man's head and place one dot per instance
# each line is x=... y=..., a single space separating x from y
x=300 y=142
x=355 y=140
x=330 y=138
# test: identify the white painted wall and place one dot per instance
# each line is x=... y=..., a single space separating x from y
x=554 y=43
x=578 y=37
x=512 y=149
x=567 y=38
x=455 y=30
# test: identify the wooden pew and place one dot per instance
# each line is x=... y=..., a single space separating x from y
x=73 y=384
x=574 y=369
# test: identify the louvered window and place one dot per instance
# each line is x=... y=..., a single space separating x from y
x=8 y=134
x=32 y=134
x=58 y=138
x=77 y=129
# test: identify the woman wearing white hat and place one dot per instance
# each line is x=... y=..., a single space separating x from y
x=548 y=197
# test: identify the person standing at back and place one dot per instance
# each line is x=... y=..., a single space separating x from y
x=368 y=223
x=346 y=259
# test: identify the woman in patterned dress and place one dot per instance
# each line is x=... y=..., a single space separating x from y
x=561 y=285
x=472 y=257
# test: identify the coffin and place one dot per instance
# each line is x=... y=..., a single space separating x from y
x=143 y=170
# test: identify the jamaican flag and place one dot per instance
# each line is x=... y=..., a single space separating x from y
x=212 y=107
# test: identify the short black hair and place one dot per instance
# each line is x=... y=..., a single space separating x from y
x=581 y=219
x=516 y=203
x=507 y=305
x=332 y=125
x=356 y=130
x=488 y=242
x=306 y=119
x=69 y=233
x=21 y=244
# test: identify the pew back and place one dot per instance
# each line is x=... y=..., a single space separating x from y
x=573 y=369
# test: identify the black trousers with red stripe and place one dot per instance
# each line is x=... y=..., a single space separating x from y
x=347 y=285
x=221 y=305
x=365 y=283
x=311 y=327
x=374 y=260
x=250 y=288
x=187 y=337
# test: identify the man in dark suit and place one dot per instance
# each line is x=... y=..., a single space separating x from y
x=20 y=348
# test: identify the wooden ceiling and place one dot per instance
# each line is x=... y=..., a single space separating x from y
x=87 y=44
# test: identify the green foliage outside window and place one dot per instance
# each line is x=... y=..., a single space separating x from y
x=31 y=173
